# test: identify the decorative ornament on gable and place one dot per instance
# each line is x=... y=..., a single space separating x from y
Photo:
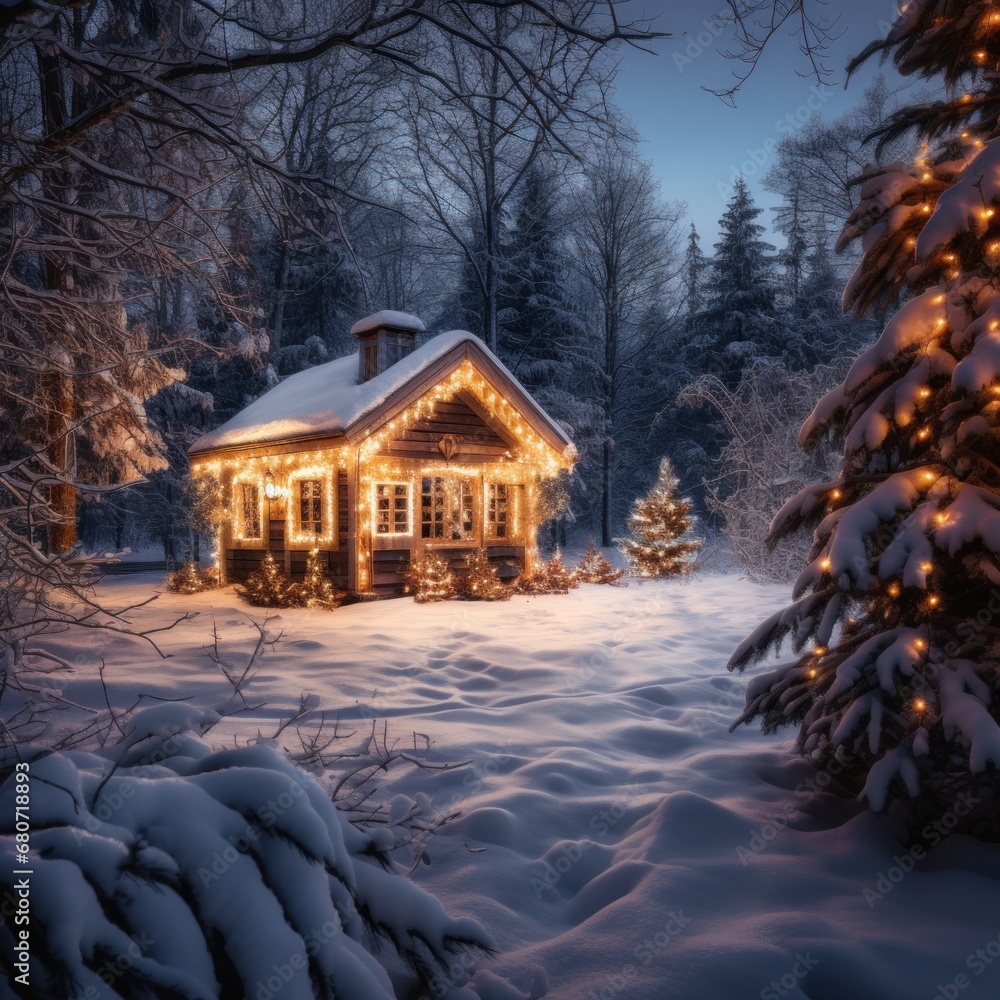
x=450 y=445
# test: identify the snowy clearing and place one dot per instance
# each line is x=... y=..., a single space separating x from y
x=615 y=839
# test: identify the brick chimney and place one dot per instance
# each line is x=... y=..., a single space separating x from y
x=383 y=339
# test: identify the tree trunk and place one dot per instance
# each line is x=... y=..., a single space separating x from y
x=606 y=492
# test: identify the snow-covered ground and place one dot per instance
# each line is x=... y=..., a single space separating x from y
x=615 y=839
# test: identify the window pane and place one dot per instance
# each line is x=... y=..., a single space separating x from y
x=392 y=508
x=497 y=509
x=251 y=511
x=311 y=506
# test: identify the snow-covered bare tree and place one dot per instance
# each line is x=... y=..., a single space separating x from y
x=759 y=463
x=129 y=154
x=475 y=139
x=625 y=243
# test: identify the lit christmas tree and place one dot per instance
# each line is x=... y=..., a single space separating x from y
x=429 y=578
x=192 y=579
x=268 y=587
x=595 y=567
x=552 y=577
x=659 y=528
x=316 y=589
x=896 y=681
x=481 y=582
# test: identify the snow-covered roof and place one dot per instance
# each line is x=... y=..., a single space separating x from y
x=328 y=400
x=391 y=319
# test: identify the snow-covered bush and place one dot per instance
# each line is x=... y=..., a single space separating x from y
x=162 y=868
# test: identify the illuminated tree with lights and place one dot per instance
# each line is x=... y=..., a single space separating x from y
x=552 y=577
x=481 y=582
x=896 y=675
x=595 y=567
x=659 y=542
x=429 y=578
x=268 y=587
x=316 y=589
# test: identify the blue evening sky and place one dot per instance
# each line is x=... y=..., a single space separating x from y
x=695 y=141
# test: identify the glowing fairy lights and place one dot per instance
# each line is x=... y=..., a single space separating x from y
x=369 y=463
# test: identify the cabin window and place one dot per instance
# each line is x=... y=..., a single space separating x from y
x=392 y=509
x=371 y=360
x=446 y=509
x=310 y=506
x=250 y=510
x=498 y=510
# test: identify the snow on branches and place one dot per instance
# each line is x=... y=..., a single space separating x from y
x=204 y=874
x=894 y=627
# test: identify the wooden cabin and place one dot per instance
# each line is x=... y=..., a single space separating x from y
x=379 y=456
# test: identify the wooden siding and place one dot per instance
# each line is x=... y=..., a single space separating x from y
x=477 y=440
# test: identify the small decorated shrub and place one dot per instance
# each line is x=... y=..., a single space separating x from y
x=429 y=578
x=193 y=579
x=549 y=578
x=481 y=582
x=268 y=587
x=316 y=590
x=595 y=567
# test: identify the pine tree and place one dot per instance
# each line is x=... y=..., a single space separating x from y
x=429 y=578
x=740 y=283
x=268 y=587
x=552 y=577
x=536 y=327
x=659 y=529
x=595 y=567
x=788 y=221
x=316 y=589
x=896 y=677
x=481 y=582
x=694 y=268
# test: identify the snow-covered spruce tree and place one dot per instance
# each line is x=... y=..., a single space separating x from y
x=658 y=543
x=897 y=672
x=162 y=868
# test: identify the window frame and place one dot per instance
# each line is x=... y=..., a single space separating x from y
x=492 y=500
x=318 y=498
x=393 y=509
x=244 y=526
x=455 y=490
